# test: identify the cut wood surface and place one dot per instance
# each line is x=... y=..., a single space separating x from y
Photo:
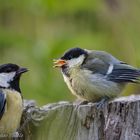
x=118 y=120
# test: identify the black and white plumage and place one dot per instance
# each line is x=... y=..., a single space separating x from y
x=94 y=75
x=10 y=98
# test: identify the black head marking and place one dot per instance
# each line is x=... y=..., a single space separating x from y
x=7 y=68
x=73 y=53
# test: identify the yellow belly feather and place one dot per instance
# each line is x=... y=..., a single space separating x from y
x=13 y=110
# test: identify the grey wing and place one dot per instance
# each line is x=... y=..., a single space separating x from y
x=2 y=103
x=124 y=73
x=110 y=67
x=103 y=56
x=99 y=62
x=96 y=66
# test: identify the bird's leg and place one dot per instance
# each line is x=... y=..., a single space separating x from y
x=101 y=104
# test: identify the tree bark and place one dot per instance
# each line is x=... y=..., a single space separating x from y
x=117 y=120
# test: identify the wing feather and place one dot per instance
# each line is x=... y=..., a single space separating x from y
x=125 y=75
x=2 y=103
x=110 y=67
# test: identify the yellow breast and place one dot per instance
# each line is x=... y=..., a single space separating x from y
x=13 y=110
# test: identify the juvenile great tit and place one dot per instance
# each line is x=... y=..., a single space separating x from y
x=95 y=75
x=10 y=98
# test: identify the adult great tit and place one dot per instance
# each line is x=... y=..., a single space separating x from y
x=10 y=98
x=95 y=75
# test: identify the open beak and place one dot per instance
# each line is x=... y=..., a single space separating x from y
x=22 y=70
x=59 y=63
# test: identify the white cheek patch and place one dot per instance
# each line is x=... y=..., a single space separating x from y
x=76 y=61
x=5 y=78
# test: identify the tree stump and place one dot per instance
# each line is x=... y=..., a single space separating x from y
x=118 y=120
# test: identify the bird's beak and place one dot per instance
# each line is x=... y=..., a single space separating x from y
x=22 y=70
x=59 y=62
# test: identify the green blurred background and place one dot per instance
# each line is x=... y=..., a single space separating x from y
x=34 y=32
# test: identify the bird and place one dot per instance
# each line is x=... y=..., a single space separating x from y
x=95 y=76
x=11 y=102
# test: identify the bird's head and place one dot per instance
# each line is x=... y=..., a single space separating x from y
x=71 y=58
x=10 y=75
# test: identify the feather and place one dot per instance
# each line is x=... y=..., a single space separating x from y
x=2 y=103
x=125 y=75
x=110 y=67
x=100 y=62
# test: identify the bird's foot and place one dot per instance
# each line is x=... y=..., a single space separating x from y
x=101 y=104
